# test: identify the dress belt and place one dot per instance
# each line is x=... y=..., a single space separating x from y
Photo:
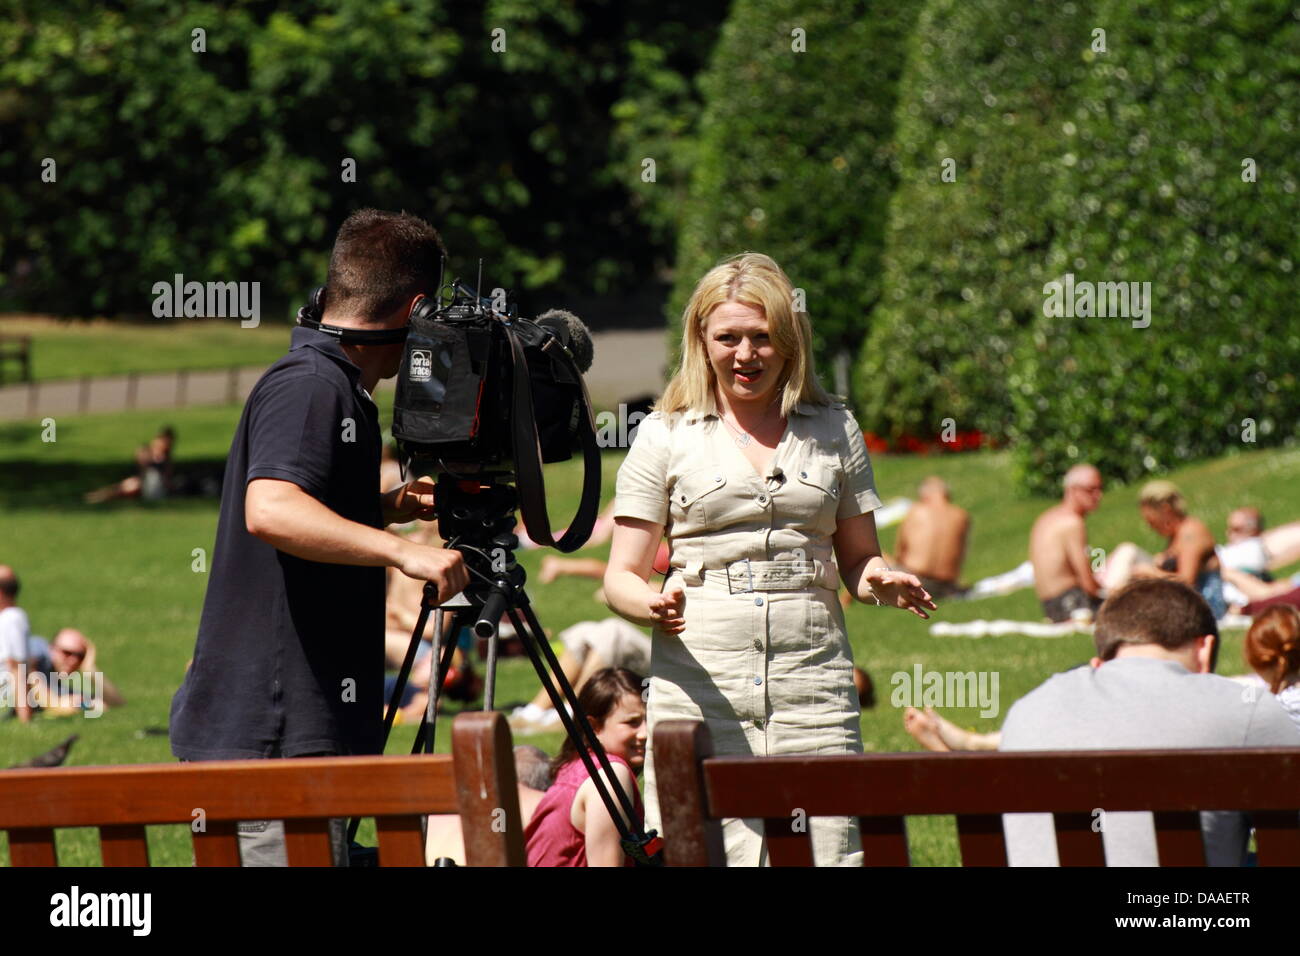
x=747 y=576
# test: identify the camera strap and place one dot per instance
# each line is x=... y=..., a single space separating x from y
x=528 y=454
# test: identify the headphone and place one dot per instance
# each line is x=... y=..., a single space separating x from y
x=309 y=316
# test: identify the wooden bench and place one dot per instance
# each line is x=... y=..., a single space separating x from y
x=16 y=348
x=477 y=781
x=697 y=790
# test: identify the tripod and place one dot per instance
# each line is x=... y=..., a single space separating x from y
x=477 y=518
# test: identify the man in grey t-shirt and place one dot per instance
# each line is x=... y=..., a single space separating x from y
x=1151 y=686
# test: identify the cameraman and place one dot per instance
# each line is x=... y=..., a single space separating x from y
x=289 y=660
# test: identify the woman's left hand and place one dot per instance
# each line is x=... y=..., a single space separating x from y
x=900 y=589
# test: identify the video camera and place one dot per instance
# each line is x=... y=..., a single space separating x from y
x=483 y=391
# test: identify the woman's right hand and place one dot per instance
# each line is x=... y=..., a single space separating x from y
x=667 y=611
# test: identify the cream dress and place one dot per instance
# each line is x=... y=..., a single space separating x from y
x=770 y=672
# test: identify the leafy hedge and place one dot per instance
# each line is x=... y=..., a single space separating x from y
x=793 y=156
x=989 y=86
x=1166 y=118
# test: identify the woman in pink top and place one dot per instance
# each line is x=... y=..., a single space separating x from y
x=571 y=826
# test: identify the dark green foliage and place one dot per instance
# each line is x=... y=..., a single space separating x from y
x=1184 y=94
x=989 y=86
x=227 y=164
x=793 y=158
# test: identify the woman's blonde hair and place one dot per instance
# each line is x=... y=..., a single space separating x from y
x=752 y=279
x=1156 y=493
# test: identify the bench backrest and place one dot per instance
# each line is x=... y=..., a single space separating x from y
x=477 y=781
x=698 y=790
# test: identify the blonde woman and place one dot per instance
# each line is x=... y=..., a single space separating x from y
x=762 y=484
x=1189 y=556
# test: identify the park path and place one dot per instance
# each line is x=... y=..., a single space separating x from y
x=628 y=364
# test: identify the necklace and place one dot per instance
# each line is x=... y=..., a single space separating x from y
x=742 y=438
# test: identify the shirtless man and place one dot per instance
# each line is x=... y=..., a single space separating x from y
x=1058 y=548
x=932 y=539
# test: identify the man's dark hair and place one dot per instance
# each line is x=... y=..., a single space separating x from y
x=9 y=585
x=380 y=261
x=1154 y=611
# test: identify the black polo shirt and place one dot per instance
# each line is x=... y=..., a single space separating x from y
x=290 y=653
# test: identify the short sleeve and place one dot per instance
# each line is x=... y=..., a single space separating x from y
x=857 y=483
x=641 y=490
x=294 y=428
x=14 y=635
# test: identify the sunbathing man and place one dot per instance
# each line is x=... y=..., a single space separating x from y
x=932 y=540
x=1058 y=548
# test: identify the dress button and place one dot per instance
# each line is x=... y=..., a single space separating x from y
x=757 y=681
x=717 y=477
x=758 y=644
x=683 y=499
x=758 y=723
x=803 y=474
x=758 y=602
x=762 y=499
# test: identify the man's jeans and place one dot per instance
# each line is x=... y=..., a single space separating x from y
x=261 y=842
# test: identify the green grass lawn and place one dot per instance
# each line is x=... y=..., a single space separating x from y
x=73 y=348
x=122 y=573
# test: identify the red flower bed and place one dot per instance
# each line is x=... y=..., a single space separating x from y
x=912 y=445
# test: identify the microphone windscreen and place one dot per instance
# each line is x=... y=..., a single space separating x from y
x=574 y=335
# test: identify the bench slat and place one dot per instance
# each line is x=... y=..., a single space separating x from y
x=1277 y=837
x=229 y=790
x=124 y=845
x=32 y=847
x=787 y=846
x=884 y=841
x=218 y=845
x=478 y=782
x=680 y=746
x=487 y=793
x=1077 y=843
x=400 y=841
x=308 y=842
x=1178 y=838
x=981 y=839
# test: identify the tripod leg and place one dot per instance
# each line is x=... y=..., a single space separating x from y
x=489 y=688
x=443 y=649
x=405 y=673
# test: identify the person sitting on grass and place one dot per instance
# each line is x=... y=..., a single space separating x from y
x=1272 y=650
x=931 y=541
x=589 y=646
x=571 y=825
x=1189 y=555
x=69 y=654
x=153 y=477
x=1058 y=549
